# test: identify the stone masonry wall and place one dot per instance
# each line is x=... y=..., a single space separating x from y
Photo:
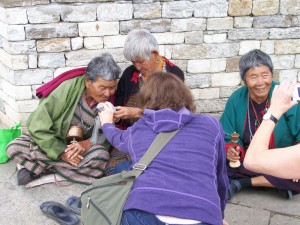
x=39 y=39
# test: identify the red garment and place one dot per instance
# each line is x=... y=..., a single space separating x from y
x=47 y=88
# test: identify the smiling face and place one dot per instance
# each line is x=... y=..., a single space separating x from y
x=100 y=90
x=258 y=81
x=147 y=67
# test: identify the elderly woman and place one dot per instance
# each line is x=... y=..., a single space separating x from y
x=243 y=114
x=141 y=48
x=186 y=183
x=71 y=105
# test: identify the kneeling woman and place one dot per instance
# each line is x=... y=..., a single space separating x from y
x=186 y=183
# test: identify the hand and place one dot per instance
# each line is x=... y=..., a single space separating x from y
x=65 y=156
x=281 y=99
x=233 y=154
x=128 y=113
x=106 y=116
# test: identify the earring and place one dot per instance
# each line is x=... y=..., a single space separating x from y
x=157 y=60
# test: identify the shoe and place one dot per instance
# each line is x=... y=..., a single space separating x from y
x=74 y=204
x=24 y=176
x=287 y=194
x=60 y=213
x=234 y=187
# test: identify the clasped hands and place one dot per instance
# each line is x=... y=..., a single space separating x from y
x=73 y=153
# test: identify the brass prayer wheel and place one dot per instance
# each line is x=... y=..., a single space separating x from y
x=74 y=134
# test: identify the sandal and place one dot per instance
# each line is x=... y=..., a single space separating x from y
x=74 y=204
x=234 y=186
x=287 y=194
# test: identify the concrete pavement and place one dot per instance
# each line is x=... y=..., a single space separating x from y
x=20 y=206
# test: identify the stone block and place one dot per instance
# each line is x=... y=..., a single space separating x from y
x=243 y=22
x=54 y=45
x=177 y=9
x=6 y=73
x=265 y=7
x=16 y=92
x=189 y=24
x=198 y=80
x=79 y=1
x=285 y=33
x=226 y=92
x=232 y=64
x=14 y=16
x=206 y=66
x=283 y=62
x=12 y=32
x=14 y=62
x=297 y=61
x=211 y=105
x=93 y=42
x=150 y=11
x=193 y=37
x=267 y=46
x=52 y=30
x=27 y=106
x=217 y=8
x=114 y=41
x=98 y=29
x=214 y=38
x=44 y=14
x=272 y=21
x=154 y=26
x=225 y=79
x=288 y=75
x=114 y=12
x=206 y=93
x=246 y=46
x=22 y=3
x=220 y=50
x=182 y=64
x=296 y=21
x=246 y=34
x=19 y=47
x=290 y=7
x=169 y=38
x=287 y=47
x=76 y=43
x=33 y=76
x=51 y=60
x=189 y=52
x=32 y=61
x=220 y=23
x=240 y=7
x=82 y=13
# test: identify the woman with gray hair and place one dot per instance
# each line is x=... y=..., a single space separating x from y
x=245 y=110
x=141 y=48
x=60 y=129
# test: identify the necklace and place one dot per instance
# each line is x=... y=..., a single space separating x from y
x=257 y=121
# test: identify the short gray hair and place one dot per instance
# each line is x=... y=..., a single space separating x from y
x=253 y=59
x=103 y=66
x=139 y=43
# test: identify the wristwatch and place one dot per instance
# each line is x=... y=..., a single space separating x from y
x=269 y=116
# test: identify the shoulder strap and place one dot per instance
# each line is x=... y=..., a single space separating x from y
x=157 y=145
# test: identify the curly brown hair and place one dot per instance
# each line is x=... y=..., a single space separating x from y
x=164 y=90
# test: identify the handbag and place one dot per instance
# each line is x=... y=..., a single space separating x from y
x=6 y=136
x=104 y=201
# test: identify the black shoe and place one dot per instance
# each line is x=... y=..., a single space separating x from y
x=287 y=194
x=24 y=176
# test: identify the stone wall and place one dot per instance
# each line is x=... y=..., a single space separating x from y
x=39 y=39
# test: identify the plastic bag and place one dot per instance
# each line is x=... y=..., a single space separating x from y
x=6 y=136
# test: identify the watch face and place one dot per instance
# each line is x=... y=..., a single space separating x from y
x=267 y=116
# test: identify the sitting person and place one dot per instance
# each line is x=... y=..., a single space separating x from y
x=71 y=105
x=141 y=48
x=243 y=114
x=187 y=182
x=281 y=162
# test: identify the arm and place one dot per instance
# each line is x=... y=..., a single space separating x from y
x=282 y=162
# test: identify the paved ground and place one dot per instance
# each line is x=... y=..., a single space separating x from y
x=20 y=206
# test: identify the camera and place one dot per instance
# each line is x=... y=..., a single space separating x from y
x=296 y=93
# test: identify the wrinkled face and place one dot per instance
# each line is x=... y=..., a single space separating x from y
x=259 y=80
x=147 y=67
x=101 y=89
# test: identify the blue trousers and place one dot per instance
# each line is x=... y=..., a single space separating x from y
x=138 y=217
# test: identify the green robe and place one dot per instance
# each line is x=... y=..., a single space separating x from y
x=49 y=123
x=286 y=132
